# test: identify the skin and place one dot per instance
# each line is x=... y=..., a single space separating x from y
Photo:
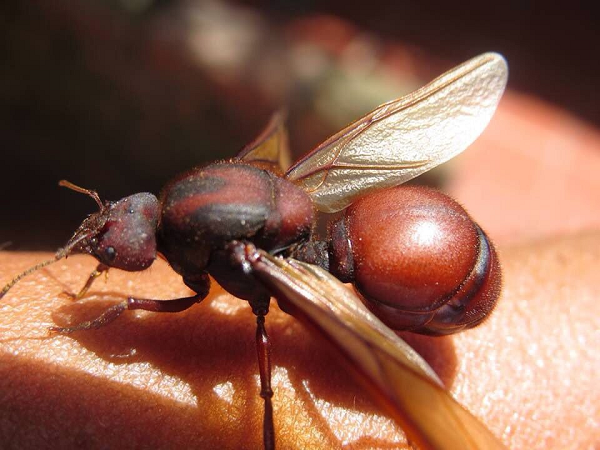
x=189 y=380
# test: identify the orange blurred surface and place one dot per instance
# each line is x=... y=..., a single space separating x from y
x=533 y=173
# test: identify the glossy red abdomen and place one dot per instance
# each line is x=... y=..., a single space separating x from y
x=418 y=259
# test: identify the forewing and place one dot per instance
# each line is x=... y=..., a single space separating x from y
x=403 y=382
x=271 y=146
x=406 y=137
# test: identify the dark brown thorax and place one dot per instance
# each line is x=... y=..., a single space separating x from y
x=209 y=207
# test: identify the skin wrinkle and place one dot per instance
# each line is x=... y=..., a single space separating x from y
x=528 y=372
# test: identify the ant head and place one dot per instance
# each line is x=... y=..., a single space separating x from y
x=121 y=234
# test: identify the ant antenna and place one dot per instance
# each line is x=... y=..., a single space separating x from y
x=74 y=187
x=14 y=281
x=61 y=253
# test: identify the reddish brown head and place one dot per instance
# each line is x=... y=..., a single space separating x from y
x=121 y=234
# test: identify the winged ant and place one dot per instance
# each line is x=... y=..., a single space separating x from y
x=416 y=259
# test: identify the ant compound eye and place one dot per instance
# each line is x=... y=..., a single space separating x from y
x=111 y=253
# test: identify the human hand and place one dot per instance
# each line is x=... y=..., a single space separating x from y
x=189 y=380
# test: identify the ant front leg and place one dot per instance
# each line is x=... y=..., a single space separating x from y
x=201 y=285
x=102 y=268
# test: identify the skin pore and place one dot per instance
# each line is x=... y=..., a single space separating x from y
x=189 y=380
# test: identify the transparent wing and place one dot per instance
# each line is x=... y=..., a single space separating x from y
x=397 y=376
x=271 y=146
x=406 y=137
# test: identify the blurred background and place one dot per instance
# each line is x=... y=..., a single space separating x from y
x=122 y=95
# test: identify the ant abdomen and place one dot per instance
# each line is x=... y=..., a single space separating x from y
x=418 y=260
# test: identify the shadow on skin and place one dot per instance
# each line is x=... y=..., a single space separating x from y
x=188 y=344
x=198 y=350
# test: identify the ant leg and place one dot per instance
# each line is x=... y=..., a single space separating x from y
x=102 y=268
x=174 y=305
x=241 y=254
x=108 y=316
x=263 y=348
